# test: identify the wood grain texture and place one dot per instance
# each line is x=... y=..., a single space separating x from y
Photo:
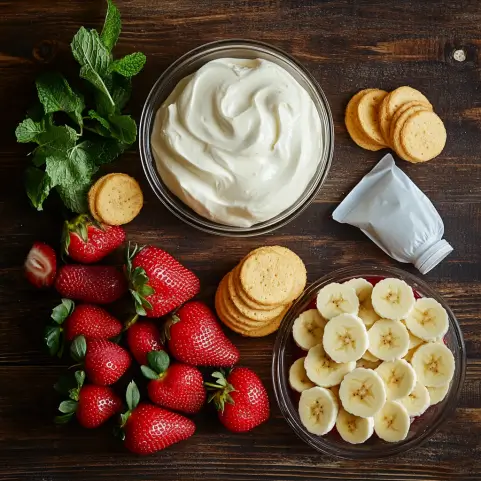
x=347 y=45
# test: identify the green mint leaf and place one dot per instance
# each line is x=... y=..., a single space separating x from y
x=95 y=59
x=56 y=95
x=112 y=26
x=103 y=122
x=149 y=373
x=104 y=151
x=120 y=90
x=37 y=185
x=158 y=360
x=130 y=65
x=28 y=130
x=123 y=128
x=56 y=139
x=132 y=396
x=68 y=406
x=75 y=196
x=52 y=338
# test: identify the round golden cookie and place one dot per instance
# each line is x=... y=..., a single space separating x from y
x=255 y=314
x=384 y=121
x=92 y=197
x=266 y=330
x=397 y=98
x=267 y=277
x=368 y=114
x=244 y=297
x=423 y=136
x=396 y=138
x=235 y=317
x=354 y=128
x=118 y=199
x=403 y=109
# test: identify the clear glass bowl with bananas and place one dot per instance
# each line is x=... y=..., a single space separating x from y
x=369 y=362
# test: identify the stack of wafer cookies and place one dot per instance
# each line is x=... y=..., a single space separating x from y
x=115 y=199
x=402 y=120
x=253 y=298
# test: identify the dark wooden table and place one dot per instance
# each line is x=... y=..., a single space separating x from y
x=347 y=45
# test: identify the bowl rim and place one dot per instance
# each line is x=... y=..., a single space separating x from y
x=186 y=214
x=281 y=389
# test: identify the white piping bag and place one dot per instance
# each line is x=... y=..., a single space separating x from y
x=391 y=210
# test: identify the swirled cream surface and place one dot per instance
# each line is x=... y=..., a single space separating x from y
x=238 y=141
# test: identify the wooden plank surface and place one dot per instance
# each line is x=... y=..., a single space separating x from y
x=347 y=45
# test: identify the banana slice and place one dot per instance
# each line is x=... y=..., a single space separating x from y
x=428 y=320
x=417 y=401
x=392 y=422
x=362 y=287
x=335 y=299
x=367 y=313
x=368 y=364
x=322 y=370
x=362 y=392
x=369 y=356
x=345 y=338
x=437 y=394
x=434 y=364
x=298 y=378
x=353 y=429
x=318 y=410
x=399 y=378
x=308 y=329
x=392 y=299
x=388 y=340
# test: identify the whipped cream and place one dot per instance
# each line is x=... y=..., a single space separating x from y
x=238 y=141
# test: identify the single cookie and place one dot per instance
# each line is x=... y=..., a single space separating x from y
x=384 y=120
x=255 y=314
x=396 y=138
x=397 y=98
x=92 y=197
x=403 y=109
x=353 y=126
x=267 y=277
x=118 y=199
x=266 y=330
x=423 y=136
x=368 y=115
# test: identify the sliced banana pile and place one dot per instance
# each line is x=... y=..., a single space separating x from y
x=375 y=359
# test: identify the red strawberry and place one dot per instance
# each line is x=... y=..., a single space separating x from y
x=93 y=284
x=142 y=338
x=93 y=404
x=41 y=265
x=87 y=241
x=178 y=386
x=240 y=398
x=88 y=320
x=195 y=337
x=105 y=362
x=158 y=283
x=148 y=428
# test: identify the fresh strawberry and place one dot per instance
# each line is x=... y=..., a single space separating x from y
x=158 y=283
x=240 y=398
x=88 y=241
x=142 y=338
x=105 y=362
x=93 y=284
x=195 y=337
x=176 y=386
x=93 y=404
x=148 y=428
x=41 y=265
x=87 y=320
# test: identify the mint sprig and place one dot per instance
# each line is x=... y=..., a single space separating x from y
x=75 y=133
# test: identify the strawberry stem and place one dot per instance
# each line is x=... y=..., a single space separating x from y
x=220 y=390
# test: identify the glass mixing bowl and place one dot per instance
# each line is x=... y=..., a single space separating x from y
x=191 y=62
x=286 y=352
